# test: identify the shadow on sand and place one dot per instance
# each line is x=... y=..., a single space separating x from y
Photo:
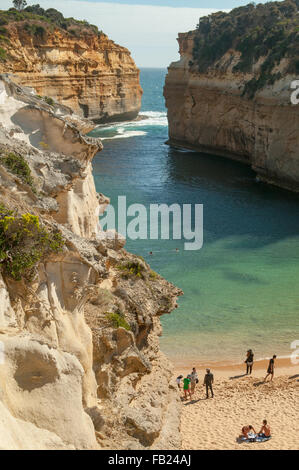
x=257 y=384
x=194 y=401
x=237 y=376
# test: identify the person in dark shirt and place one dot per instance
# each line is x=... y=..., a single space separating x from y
x=249 y=361
x=208 y=382
x=270 y=370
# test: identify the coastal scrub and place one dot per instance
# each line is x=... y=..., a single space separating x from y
x=24 y=242
x=18 y=166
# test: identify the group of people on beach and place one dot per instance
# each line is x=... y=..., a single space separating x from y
x=249 y=365
x=190 y=381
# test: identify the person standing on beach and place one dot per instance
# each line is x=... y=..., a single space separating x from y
x=187 y=381
x=194 y=380
x=270 y=370
x=208 y=382
x=249 y=361
x=178 y=380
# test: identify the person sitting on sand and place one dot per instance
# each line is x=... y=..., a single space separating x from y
x=178 y=380
x=247 y=430
x=270 y=370
x=265 y=430
x=249 y=361
x=187 y=381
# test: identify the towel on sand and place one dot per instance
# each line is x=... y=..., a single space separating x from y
x=255 y=439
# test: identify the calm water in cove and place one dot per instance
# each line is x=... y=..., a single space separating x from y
x=241 y=289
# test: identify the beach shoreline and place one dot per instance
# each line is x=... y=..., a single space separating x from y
x=283 y=365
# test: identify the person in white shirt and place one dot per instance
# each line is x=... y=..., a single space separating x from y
x=178 y=380
x=194 y=380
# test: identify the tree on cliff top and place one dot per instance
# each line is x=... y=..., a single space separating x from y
x=269 y=32
x=19 y=4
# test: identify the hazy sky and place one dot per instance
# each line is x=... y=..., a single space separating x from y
x=148 y=28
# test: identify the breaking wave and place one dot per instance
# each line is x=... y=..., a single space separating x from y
x=135 y=128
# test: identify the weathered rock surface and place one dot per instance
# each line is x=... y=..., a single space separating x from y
x=95 y=77
x=81 y=368
x=207 y=113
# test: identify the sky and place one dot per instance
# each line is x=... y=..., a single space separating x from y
x=148 y=28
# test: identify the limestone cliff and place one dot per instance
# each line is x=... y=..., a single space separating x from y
x=229 y=94
x=71 y=62
x=80 y=364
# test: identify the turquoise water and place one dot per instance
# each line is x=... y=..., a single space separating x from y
x=241 y=289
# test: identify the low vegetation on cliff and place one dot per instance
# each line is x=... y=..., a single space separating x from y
x=24 y=242
x=17 y=165
x=265 y=32
x=36 y=21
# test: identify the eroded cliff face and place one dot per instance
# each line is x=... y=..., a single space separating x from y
x=209 y=112
x=80 y=364
x=95 y=77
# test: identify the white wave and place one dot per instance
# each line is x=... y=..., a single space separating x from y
x=122 y=134
x=153 y=118
x=146 y=119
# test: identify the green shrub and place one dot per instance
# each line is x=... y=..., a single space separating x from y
x=4 y=39
x=18 y=166
x=39 y=32
x=51 y=18
x=265 y=30
x=36 y=30
x=117 y=320
x=131 y=269
x=3 y=54
x=153 y=275
x=49 y=101
x=24 y=242
x=3 y=31
x=44 y=145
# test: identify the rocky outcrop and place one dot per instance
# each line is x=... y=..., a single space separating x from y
x=88 y=72
x=80 y=364
x=224 y=108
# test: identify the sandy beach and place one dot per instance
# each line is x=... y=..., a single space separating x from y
x=241 y=400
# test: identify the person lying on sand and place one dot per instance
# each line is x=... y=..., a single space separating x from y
x=265 y=430
x=247 y=430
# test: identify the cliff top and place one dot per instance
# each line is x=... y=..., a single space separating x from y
x=263 y=33
x=36 y=21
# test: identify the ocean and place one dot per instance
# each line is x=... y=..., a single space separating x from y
x=241 y=288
